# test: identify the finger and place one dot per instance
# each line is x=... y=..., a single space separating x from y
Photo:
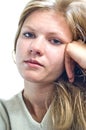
x=69 y=66
x=77 y=51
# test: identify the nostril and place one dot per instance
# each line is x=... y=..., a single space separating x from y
x=35 y=52
x=39 y=53
x=31 y=50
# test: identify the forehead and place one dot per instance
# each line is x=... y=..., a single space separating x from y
x=48 y=21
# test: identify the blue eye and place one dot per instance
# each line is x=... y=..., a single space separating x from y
x=55 y=41
x=29 y=35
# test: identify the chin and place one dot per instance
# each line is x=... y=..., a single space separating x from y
x=32 y=79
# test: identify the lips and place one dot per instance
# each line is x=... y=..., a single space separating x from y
x=34 y=62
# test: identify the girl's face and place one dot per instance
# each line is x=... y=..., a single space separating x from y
x=41 y=46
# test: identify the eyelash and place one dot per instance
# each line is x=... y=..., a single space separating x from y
x=55 y=41
x=31 y=35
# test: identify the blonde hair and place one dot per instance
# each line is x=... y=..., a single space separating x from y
x=69 y=105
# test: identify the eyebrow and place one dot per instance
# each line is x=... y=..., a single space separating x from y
x=54 y=33
x=29 y=27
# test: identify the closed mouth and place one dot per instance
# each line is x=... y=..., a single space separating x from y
x=33 y=62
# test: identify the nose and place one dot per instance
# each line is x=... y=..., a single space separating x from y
x=37 y=46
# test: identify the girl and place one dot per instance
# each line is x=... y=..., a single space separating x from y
x=50 y=55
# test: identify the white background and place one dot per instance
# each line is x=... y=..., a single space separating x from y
x=10 y=80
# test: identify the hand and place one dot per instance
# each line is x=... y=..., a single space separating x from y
x=74 y=52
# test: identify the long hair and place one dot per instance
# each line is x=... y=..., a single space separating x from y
x=69 y=105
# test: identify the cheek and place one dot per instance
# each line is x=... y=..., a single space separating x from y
x=57 y=62
x=19 y=52
x=56 y=54
x=20 y=49
x=60 y=56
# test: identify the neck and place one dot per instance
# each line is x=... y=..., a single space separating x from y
x=38 y=97
x=38 y=93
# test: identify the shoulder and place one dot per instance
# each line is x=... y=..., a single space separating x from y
x=4 y=122
x=11 y=104
x=7 y=107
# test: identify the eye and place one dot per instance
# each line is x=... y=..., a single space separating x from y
x=55 y=41
x=29 y=35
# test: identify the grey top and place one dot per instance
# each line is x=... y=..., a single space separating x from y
x=14 y=115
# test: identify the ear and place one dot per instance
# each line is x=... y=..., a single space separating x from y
x=14 y=56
